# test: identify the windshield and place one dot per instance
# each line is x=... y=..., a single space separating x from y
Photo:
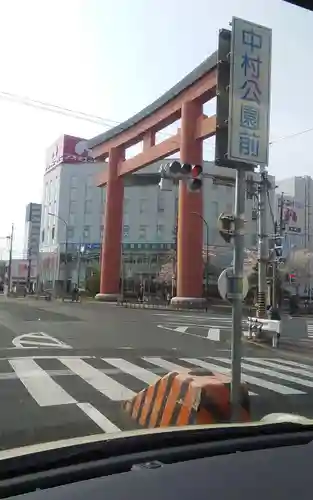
x=156 y=228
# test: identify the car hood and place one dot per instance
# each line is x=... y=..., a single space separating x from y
x=96 y=438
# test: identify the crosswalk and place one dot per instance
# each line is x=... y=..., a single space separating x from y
x=310 y=330
x=67 y=381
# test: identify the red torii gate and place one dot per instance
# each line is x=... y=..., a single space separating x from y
x=185 y=100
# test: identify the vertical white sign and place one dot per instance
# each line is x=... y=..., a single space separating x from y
x=249 y=97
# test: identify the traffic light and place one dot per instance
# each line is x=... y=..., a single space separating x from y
x=175 y=171
x=292 y=278
x=222 y=97
x=226 y=227
x=278 y=246
x=195 y=183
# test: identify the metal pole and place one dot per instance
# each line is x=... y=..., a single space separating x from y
x=78 y=263
x=278 y=231
x=263 y=247
x=10 y=259
x=174 y=266
x=238 y=258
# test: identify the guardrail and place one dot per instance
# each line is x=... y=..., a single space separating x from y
x=264 y=329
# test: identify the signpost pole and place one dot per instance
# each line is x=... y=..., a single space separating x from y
x=247 y=146
x=237 y=295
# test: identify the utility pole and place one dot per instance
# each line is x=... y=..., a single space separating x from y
x=239 y=221
x=78 y=262
x=263 y=242
x=279 y=231
x=10 y=258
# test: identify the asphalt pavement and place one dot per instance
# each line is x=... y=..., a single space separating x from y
x=66 y=368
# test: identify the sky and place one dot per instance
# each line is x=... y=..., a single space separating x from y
x=111 y=58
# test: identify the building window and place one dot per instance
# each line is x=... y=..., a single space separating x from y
x=72 y=220
x=53 y=233
x=88 y=207
x=102 y=195
x=160 y=231
x=215 y=212
x=43 y=235
x=161 y=203
x=101 y=232
x=86 y=234
x=90 y=181
x=74 y=181
x=142 y=205
x=126 y=231
x=214 y=233
x=142 y=232
x=70 y=232
x=73 y=207
x=73 y=194
x=126 y=206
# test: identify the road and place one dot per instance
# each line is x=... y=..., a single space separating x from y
x=66 y=368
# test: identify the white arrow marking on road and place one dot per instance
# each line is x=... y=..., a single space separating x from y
x=38 y=339
x=214 y=334
x=179 y=330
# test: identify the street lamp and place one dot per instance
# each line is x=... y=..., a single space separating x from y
x=207 y=252
x=66 y=244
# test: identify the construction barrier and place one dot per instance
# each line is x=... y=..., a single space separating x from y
x=186 y=399
x=264 y=329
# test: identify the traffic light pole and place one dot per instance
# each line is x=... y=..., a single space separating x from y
x=263 y=248
x=239 y=217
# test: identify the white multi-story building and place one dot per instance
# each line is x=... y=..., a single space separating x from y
x=72 y=201
x=72 y=210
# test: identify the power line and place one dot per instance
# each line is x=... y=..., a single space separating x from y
x=46 y=106
x=291 y=136
x=98 y=120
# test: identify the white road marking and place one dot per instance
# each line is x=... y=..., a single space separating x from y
x=183 y=333
x=167 y=365
x=214 y=334
x=44 y=390
x=125 y=366
x=96 y=416
x=38 y=339
x=99 y=380
x=272 y=373
x=203 y=364
x=274 y=364
x=281 y=389
x=293 y=363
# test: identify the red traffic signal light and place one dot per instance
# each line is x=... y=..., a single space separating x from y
x=196 y=171
x=196 y=174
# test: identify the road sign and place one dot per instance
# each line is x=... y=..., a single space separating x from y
x=249 y=96
x=224 y=284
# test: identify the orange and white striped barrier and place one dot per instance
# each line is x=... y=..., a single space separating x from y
x=186 y=399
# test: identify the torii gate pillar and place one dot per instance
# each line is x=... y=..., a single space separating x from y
x=190 y=226
x=111 y=243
